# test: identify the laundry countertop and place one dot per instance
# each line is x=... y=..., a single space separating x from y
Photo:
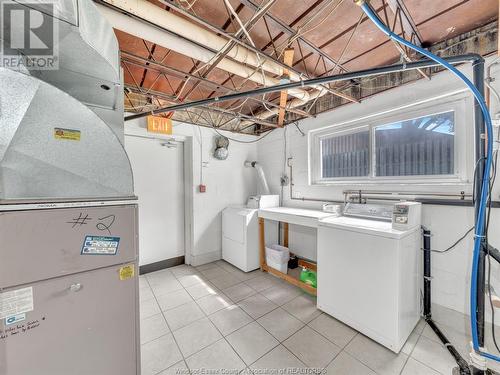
x=299 y=216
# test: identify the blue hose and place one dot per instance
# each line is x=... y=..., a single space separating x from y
x=480 y=224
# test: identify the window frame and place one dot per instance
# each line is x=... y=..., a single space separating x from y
x=462 y=106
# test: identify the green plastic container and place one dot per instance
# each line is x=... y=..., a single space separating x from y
x=309 y=277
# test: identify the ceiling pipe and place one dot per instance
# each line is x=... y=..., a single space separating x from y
x=144 y=63
x=293 y=104
x=147 y=21
x=425 y=63
x=295 y=75
x=196 y=33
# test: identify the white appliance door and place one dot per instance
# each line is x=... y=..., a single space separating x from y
x=358 y=282
x=234 y=224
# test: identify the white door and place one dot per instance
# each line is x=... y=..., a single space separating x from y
x=158 y=168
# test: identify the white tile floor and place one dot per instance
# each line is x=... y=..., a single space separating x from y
x=217 y=317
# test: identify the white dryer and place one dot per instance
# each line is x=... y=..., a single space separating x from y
x=368 y=271
x=240 y=232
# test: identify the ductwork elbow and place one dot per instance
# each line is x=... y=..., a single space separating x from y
x=261 y=175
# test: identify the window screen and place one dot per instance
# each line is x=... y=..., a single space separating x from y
x=346 y=155
x=421 y=146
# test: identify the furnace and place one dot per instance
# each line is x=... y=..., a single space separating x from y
x=68 y=215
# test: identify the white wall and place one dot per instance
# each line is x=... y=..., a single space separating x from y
x=228 y=182
x=451 y=271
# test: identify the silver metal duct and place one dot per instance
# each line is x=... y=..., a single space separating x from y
x=261 y=174
x=36 y=163
x=88 y=57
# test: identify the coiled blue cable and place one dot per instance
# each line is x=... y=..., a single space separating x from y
x=480 y=224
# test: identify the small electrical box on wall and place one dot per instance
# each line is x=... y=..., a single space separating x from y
x=203 y=188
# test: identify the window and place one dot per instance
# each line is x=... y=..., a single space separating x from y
x=424 y=144
x=345 y=155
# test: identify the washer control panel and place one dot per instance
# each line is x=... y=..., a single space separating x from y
x=406 y=215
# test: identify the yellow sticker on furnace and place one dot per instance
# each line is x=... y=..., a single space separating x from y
x=127 y=272
x=67 y=134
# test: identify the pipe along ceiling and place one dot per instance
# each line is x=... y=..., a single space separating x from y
x=143 y=20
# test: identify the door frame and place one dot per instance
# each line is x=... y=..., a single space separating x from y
x=188 y=181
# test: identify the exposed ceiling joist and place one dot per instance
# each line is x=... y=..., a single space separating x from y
x=233 y=39
x=328 y=36
x=472 y=44
x=288 y=60
x=290 y=31
x=409 y=26
x=128 y=58
x=482 y=41
x=151 y=94
x=261 y=11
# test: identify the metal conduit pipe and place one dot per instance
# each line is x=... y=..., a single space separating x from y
x=197 y=32
x=304 y=199
x=292 y=104
x=477 y=60
x=192 y=31
x=295 y=75
x=463 y=366
x=146 y=21
x=399 y=195
x=480 y=149
x=484 y=151
x=372 y=195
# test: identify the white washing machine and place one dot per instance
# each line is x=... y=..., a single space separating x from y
x=240 y=232
x=368 y=271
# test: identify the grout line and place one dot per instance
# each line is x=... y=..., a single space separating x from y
x=351 y=340
x=427 y=365
x=172 y=332
x=280 y=342
x=223 y=337
x=414 y=346
x=333 y=359
x=341 y=347
x=406 y=362
x=231 y=346
x=252 y=319
x=173 y=337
